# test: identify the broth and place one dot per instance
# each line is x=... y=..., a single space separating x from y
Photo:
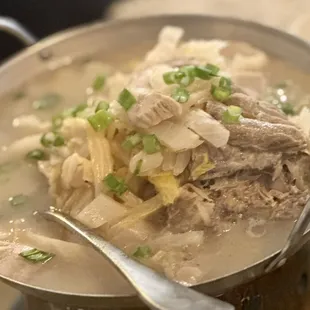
x=224 y=253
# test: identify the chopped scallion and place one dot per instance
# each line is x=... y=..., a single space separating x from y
x=150 y=144
x=126 y=99
x=188 y=76
x=131 y=141
x=101 y=120
x=52 y=139
x=18 y=200
x=203 y=73
x=169 y=77
x=219 y=93
x=232 y=115
x=142 y=252
x=79 y=108
x=99 y=82
x=180 y=95
x=47 y=101
x=102 y=105
x=138 y=167
x=115 y=184
x=288 y=108
x=37 y=155
x=36 y=256
x=213 y=68
x=225 y=82
x=57 y=121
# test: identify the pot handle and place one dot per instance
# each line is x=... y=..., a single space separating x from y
x=11 y=26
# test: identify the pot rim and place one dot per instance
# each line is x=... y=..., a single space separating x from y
x=229 y=280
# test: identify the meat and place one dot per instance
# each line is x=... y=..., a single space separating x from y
x=153 y=109
x=263 y=136
x=260 y=135
x=229 y=159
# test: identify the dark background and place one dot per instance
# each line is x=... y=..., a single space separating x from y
x=44 y=17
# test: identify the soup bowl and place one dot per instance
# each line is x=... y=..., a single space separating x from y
x=248 y=289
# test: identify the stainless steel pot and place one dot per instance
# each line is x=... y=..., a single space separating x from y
x=247 y=289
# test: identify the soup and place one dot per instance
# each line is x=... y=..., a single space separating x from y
x=193 y=161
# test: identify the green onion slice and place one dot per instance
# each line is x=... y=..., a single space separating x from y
x=213 y=69
x=126 y=99
x=47 y=101
x=52 y=139
x=220 y=94
x=138 y=167
x=169 y=77
x=232 y=115
x=102 y=105
x=150 y=144
x=57 y=121
x=288 y=108
x=101 y=120
x=203 y=73
x=37 y=154
x=36 y=256
x=115 y=184
x=180 y=95
x=18 y=200
x=131 y=141
x=99 y=82
x=225 y=82
x=79 y=108
x=142 y=252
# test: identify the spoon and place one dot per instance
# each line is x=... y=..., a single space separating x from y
x=294 y=241
x=156 y=291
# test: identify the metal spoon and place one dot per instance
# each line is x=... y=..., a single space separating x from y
x=156 y=291
x=295 y=240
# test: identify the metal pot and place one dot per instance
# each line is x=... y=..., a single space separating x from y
x=248 y=289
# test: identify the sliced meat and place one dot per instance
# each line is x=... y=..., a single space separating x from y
x=259 y=135
x=263 y=136
x=228 y=160
x=153 y=109
x=256 y=109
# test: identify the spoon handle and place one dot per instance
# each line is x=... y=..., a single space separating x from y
x=156 y=291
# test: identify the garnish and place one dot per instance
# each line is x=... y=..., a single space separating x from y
x=36 y=256
x=47 y=101
x=180 y=95
x=131 y=141
x=102 y=105
x=151 y=144
x=232 y=115
x=37 y=154
x=142 y=252
x=99 y=82
x=101 y=120
x=126 y=99
x=138 y=167
x=223 y=91
x=18 y=200
x=115 y=184
x=52 y=139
